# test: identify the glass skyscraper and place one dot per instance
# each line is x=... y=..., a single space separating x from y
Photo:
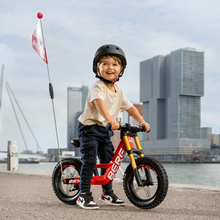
x=76 y=99
x=171 y=88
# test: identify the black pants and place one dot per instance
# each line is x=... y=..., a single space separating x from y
x=94 y=141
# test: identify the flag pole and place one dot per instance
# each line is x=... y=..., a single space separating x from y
x=40 y=15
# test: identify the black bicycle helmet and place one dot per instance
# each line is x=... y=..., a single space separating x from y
x=109 y=49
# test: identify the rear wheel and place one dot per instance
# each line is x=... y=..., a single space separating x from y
x=61 y=181
x=155 y=183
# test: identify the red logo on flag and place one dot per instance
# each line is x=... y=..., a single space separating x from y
x=37 y=42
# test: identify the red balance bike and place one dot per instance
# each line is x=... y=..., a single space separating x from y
x=145 y=180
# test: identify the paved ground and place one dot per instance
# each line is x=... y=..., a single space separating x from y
x=26 y=196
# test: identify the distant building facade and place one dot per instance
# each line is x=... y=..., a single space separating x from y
x=128 y=119
x=205 y=132
x=76 y=99
x=171 y=88
x=215 y=139
x=53 y=154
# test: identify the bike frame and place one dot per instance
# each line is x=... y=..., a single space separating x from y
x=125 y=145
x=145 y=180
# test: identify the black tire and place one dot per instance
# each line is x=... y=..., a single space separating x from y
x=67 y=193
x=147 y=196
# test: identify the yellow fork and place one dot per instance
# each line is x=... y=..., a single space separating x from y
x=131 y=156
x=137 y=142
x=133 y=162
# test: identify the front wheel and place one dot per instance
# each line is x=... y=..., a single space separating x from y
x=62 y=180
x=155 y=183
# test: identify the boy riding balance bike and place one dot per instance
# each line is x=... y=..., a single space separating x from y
x=145 y=180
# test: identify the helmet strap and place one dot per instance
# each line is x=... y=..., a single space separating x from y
x=103 y=79
x=108 y=81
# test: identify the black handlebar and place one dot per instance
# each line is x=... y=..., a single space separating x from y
x=128 y=127
x=108 y=127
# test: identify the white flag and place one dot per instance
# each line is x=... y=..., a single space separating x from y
x=37 y=42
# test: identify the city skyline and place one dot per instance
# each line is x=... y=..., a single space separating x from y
x=76 y=96
x=76 y=99
x=73 y=34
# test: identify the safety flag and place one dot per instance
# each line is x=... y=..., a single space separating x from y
x=37 y=42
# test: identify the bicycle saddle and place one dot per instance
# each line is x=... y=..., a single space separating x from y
x=75 y=142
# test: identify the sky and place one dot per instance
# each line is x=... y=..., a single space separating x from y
x=73 y=31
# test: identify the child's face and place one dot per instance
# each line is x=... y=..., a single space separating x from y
x=109 y=68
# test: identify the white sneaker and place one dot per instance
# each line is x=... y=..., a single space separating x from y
x=111 y=199
x=85 y=201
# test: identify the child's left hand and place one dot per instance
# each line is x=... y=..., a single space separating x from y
x=147 y=126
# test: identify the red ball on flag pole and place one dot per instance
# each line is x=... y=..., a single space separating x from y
x=39 y=15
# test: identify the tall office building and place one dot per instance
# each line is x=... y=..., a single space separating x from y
x=76 y=99
x=205 y=132
x=171 y=88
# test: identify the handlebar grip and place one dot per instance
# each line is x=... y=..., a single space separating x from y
x=108 y=126
x=144 y=129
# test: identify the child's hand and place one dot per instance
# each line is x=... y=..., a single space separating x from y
x=146 y=125
x=114 y=125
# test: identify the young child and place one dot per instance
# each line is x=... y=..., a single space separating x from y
x=104 y=101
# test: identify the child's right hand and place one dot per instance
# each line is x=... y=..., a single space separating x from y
x=147 y=126
x=114 y=125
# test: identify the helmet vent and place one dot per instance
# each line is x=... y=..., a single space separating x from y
x=107 y=47
x=117 y=48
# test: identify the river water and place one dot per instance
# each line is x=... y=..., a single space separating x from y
x=183 y=173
